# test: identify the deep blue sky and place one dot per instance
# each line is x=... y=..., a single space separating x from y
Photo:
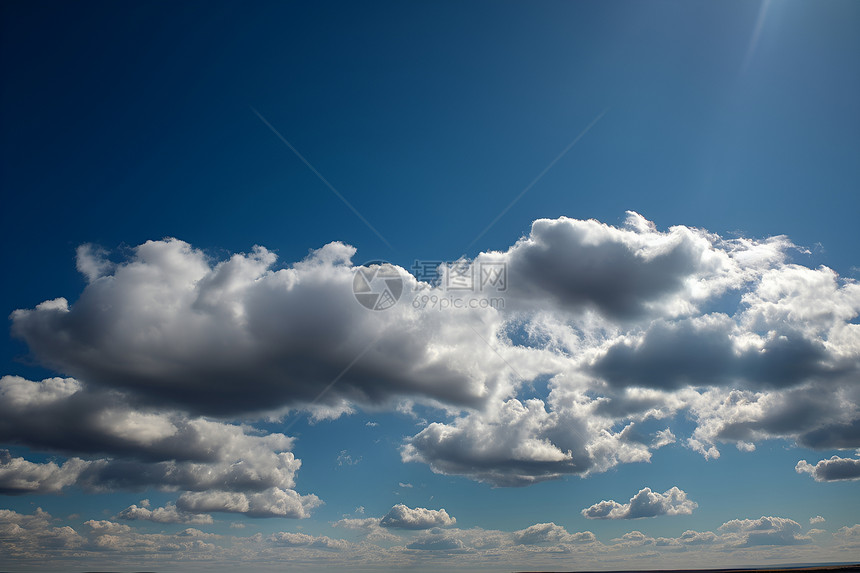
x=124 y=122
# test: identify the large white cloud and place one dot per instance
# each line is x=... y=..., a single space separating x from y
x=235 y=336
x=646 y=503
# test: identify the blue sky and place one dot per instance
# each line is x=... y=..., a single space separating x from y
x=671 y=188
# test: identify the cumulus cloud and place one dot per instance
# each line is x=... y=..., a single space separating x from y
x=711 y=350
x=25 y=539
x=514 y=444
x=550 y=533
x=630 y=271
x=167 y=449
x=437 y=543
x=174 y=327
x=402 y=517
x=303 y=540
x=646 y=503
x=368 y=526
x=18 y=476
x=764 y=531
x=833 y=469
x=691 y=537
x=149 y=448
x=167 y=514
x=629 y=324
x=272 y=502
x=816 y=519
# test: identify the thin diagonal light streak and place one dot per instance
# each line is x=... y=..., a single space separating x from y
x=321 y=178
x=335 y=381
x=539 y=177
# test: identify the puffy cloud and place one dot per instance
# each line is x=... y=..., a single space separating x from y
x=664 y=438
x=402 y=517
x=516 y=444
x=816 y=519
x=273 y=502
x=711 y=351
x=168 y=450
x=627 y=272
x=175 y=328
x=627 y=323
x=438 y=543
x=748 y=416
x=646 y=503
x=303 y=540
x=691 y=537
x=634 y=538
x=369 y=526
x=167 y=514
x=92 y=262
x=764 y=531
x=850 y=534
x=18 y=475
x=550 y=533
x=26 y=537
x=149 y=448
x=834 y=469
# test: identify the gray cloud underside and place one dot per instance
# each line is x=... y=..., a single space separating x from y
x=833 y=469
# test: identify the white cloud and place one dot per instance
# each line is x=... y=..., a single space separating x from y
x=369 y=527
x=816 y=519
x=167 y=449
x=664 y=438
x=646 y=503
x=627 y=272
x=304 y=540
x=166 y=514
x=272 y=502
x=626 y=323
x=103 y=544
x=691 y=537
x=438 y=543
x=515 y=443
x=209 y=324
x=18 y=475
x=402 y=517
x=764 y=531
x=550 y=533
x=834 y=469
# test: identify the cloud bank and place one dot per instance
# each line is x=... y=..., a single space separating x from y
x=169 y=357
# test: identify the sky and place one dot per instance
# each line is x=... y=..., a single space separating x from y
x=389 y=286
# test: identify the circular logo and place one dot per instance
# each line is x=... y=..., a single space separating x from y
x=377 y=285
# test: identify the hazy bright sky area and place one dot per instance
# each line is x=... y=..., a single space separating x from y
x=380 y=286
